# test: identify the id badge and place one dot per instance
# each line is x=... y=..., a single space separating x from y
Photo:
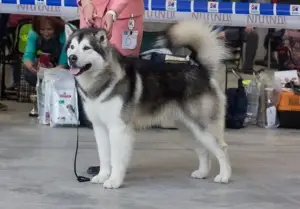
x=129 y=39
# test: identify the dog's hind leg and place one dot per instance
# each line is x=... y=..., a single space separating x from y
x=203 y=155
x=121 y=143
x=204 y=163
x=211 y=144
x=101 y=135
x=218 y=129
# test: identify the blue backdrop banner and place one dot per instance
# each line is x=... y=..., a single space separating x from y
x=188 y=6
x=219 y=13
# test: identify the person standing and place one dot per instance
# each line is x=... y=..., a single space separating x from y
x=122 y=19
x=243 y=34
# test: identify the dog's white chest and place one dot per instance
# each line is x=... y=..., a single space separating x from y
x=105 y=112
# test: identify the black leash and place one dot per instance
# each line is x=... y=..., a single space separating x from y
x=79 y=178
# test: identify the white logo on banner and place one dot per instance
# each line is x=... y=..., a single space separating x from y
x=294 y=9
x=213 y=7
x=171 y=5
x=40 y=2
x=254 y=9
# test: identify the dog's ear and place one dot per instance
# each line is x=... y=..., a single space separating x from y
x=68 y=30
x=101 y=36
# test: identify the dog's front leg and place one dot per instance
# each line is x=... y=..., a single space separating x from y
x=101 y=135
x=121 y=143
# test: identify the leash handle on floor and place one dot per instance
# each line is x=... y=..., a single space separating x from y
x=79 y=178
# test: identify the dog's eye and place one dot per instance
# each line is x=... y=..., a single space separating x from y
x=86 y=48
x=72 y=46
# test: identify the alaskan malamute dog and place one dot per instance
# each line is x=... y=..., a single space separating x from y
x=119 y=91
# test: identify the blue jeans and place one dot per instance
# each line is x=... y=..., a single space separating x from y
x=30 y=77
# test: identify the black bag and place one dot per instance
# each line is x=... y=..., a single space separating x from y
x=236 y=106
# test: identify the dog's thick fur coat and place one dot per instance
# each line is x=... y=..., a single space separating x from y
x=119 y=92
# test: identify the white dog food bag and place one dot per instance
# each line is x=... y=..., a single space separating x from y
x=43 y=92
x=55 y=90
x=59 y=113
x=63 y=94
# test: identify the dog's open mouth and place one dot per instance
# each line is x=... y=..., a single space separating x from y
x=77 y=71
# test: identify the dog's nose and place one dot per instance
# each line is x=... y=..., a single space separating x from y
x=72 y=58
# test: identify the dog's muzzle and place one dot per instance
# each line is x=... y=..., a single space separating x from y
x=74 y=68
x=73 y=59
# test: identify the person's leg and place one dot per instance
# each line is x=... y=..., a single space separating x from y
x=251 y=48
x=30 y=77
x=16 y=75
x=275 y=41
x=269 y=37
x=17 y=72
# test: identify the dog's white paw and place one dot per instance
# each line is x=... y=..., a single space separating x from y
x=112 y=183
x=198 y=174
x=100 y=178
x=221 y=179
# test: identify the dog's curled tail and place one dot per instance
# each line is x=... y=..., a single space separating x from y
x=201 y=39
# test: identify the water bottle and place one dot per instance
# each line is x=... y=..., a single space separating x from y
x=253 y=93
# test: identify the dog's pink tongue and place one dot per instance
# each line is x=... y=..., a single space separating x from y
x=74 y=71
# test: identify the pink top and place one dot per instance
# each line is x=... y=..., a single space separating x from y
x=14 y=19
x=123 y=8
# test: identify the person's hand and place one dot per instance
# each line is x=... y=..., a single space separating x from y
x=33 y=70
x=89 y=14
x=50 y=65
x=248 y=29
x=107 y=24
x=30 y=66
x=60 y=67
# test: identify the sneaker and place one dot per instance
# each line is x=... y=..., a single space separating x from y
x=93 y=170
x=14 y=87
x=3 y=107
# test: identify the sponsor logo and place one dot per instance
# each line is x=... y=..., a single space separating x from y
x=254 y=9
x=294 y=10
x=171 y=5
x=213 y=7
x=40 y=2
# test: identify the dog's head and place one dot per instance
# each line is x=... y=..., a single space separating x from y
x=85 y=49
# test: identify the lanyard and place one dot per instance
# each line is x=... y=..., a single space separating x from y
x=131 y=24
